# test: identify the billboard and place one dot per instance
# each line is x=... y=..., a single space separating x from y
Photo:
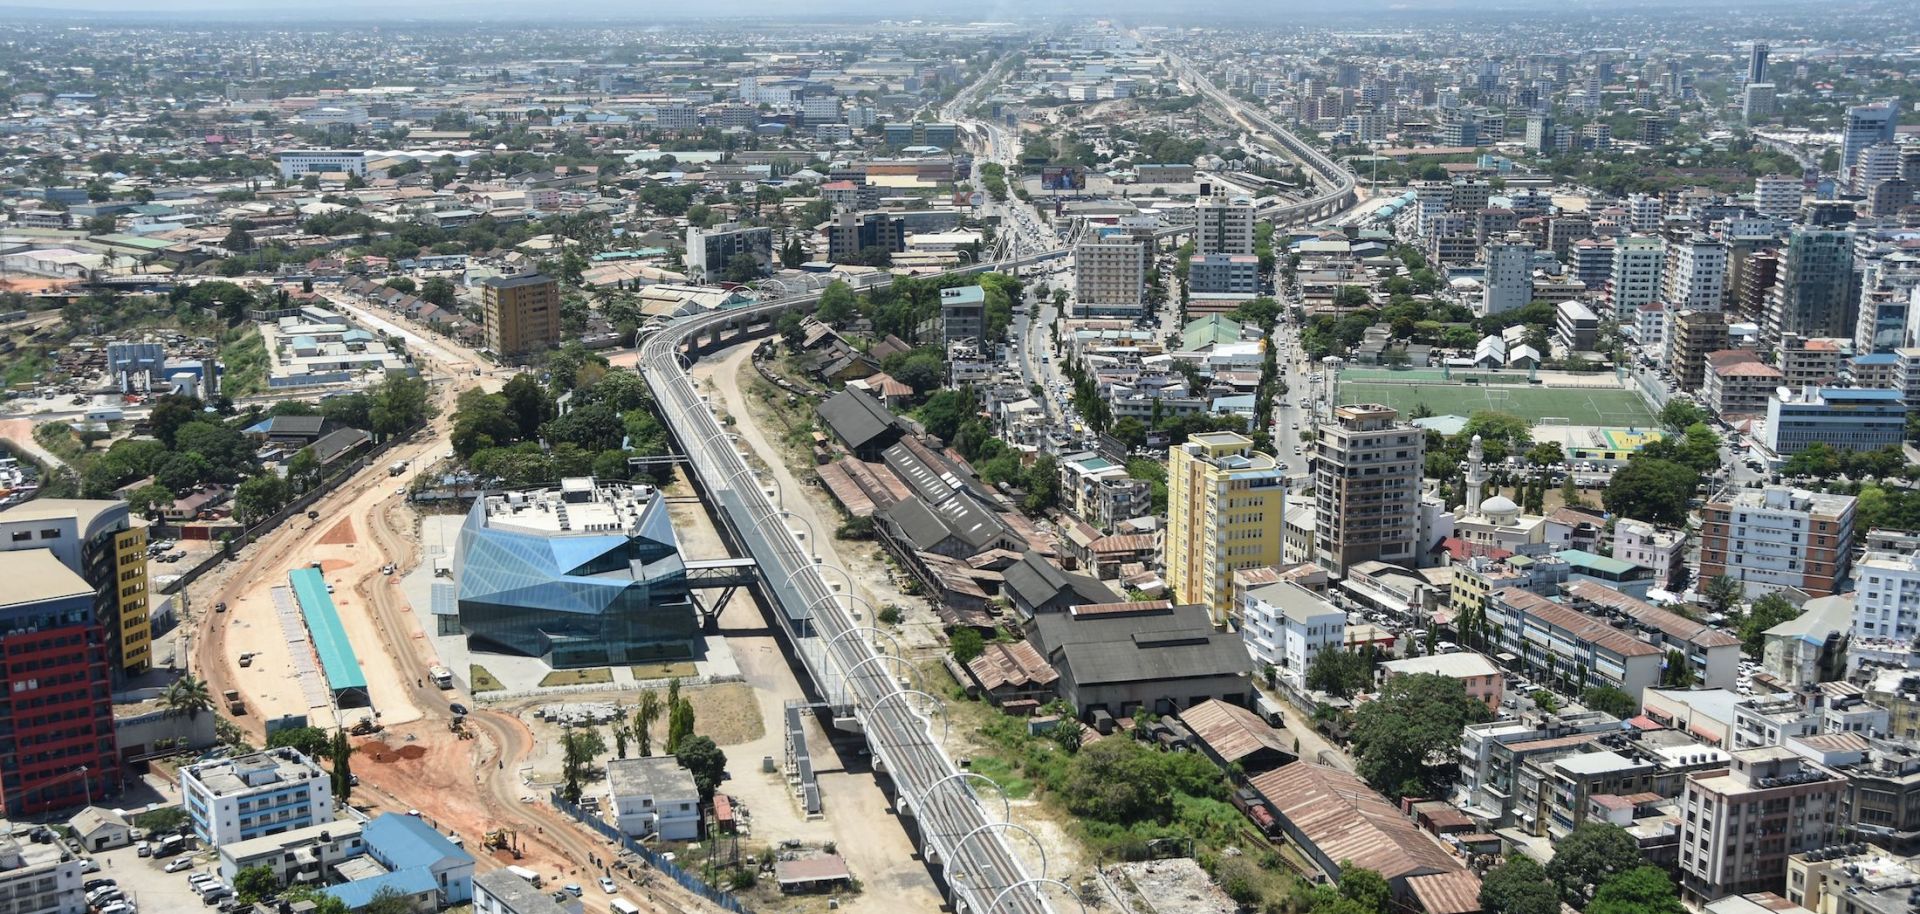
x=1063 y=177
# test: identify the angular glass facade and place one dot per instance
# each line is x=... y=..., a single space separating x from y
x=576 y=599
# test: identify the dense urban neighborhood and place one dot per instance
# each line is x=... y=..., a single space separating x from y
x=1395 y=459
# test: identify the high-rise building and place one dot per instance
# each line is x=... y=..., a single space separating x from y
x=1876 y=163
x=820 y=108
x=1692 y=335
x=1889 y=316
x=1696 y=274
x=1886 y=602
x=99 y=540
x=1814 y=296
x=1223 y=225
x=1777 y=195
x=1758 y=102
x=522 y=314
x=55 y=688
x=710 y=251
x=1110 y=277
x=1740 y=823
x=1540 y=134
x=1509 y=279
x=1367 y=488
x=850 y=234
x=1778 y=537
x=1225 y=502
x=1757 y=62
x=1865 y=126
x=963 y=314
x=1638 y=262
x=1644 y=212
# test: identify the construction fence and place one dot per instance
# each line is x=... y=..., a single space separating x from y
x=665 y=867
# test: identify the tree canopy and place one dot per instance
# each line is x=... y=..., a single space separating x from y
x=1403 y=737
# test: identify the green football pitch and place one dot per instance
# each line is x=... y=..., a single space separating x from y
x=1578 y=406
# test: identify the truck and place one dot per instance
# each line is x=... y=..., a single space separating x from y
x=441 y=676
x=527 y=874
x=235 y=706
x=399 y=466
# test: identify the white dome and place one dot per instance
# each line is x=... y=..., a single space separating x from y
x=1499 y=504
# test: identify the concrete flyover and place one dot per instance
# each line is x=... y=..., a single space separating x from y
x=1340 y=183
x=981 y=872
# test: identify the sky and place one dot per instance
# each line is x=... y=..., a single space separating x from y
x=642 y=10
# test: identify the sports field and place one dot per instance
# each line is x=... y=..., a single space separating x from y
x=1615 y=408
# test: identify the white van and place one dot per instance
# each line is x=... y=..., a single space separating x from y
x=623 y=906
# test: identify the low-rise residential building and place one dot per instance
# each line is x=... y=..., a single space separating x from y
x=654 y=796
x=1810 y=648
x=1476 y=674
x=1561 y=645
x=1662 y=549
x=1286 y=626
x=503 y=891
x=1842 y=418
x=40 y=878
x=296 y=855
x=1737 y=384
x=1778 y=537
x=1712 y=653
x=264 y=793
x=1740 y=824
x=1492 y=755
x=1886 y=601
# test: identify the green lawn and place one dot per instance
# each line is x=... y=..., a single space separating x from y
x=668 y=670
x=243 y=357
x=1580 y=406
x=483 y=681
x=599 y=675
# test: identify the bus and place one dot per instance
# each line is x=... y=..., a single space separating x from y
x=526 y=874
x=441 y=676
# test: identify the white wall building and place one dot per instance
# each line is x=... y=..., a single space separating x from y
x=39 y=879
x=265 y=793
x=1287 y=626
x=1777 y=195
x=1886 y=603
x=654 y=796
x=1637 y=268
x=1509 y=282
x=1696 y=274
x=296 y=164
x=1223 y=225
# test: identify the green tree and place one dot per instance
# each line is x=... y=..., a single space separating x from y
x=342 y=754
x=705 y=762
x=438 y=290
x=1340 y=673
x=1403 y=736
x=187 y=696
x=255 y=883
x=1651 y=490
x=1117 y=781
x=303 y=469
x=1641 y=890
x=1723 y=592
x=966 y=644
x=1366 y=887
x=312 y=742
x=1518 y=886
x=1765 y=613
x=1610 y=700
x=1594 y=853
x=1678 y=415
x=743 y=268
x=837 y=306
x=257 y=498
x=578 y=747
x=644 y=717
x=527 y=404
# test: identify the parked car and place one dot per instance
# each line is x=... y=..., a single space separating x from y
x=179 y=863
x=607 y=886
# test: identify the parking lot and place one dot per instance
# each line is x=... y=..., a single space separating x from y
x=144 y=882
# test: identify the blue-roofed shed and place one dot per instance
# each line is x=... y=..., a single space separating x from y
x=415 y=885
x=330 y=643
x=404 y=843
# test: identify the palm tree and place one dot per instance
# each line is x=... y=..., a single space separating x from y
x=186 y=697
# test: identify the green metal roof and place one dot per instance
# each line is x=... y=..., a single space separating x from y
x=337 y=660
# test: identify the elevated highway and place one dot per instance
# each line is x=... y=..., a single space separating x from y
x=966 y=838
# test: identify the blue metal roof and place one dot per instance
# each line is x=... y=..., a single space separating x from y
x=408 y=882
x=401 y=841
x=337 y=660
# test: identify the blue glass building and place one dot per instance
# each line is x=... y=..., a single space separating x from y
x=582 y=575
